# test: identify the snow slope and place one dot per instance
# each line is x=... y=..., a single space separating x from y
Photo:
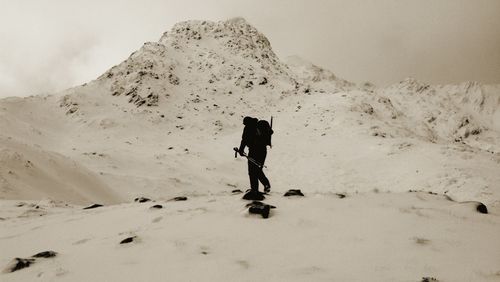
x=370 y=237
x=163 y=124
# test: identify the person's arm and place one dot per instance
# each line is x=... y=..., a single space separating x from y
x=244 y=141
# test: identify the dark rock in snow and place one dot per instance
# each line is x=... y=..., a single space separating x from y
x=92 y=206
x=156 y=207
x=294 y=192
x=46 y=254
x=429 y=279
x=482 y=208
x=340 y=195
x=141 y=200
x=258 y=204
x=254 y=196
x=17 y=264
x=20 y=263
x=180 y=198
x=237 y=191
x=257 y=207
x=128 y=240
x=264 y=211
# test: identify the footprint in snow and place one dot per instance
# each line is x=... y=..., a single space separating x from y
x=82 y=241
x=204 y=250
x=157 y=219
x=243 y=263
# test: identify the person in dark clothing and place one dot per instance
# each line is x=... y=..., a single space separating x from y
x=257 y=150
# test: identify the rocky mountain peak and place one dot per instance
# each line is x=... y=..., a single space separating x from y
x=200 y=56
x=236 y=32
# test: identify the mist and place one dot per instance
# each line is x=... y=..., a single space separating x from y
x=50 y=45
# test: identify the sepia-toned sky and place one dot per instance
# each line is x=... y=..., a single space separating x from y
x=50 y=45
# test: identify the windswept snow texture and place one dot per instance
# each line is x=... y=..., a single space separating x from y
x=320 y=237
x=163 y=123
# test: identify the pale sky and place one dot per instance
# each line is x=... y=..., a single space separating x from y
x=50 y=45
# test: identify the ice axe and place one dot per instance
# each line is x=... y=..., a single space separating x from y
x=236 y=151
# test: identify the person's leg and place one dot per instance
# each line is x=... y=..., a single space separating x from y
x=253 y=173
x=263 y=179
x=260 y=157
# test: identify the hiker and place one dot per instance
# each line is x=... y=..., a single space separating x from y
x=256 y=136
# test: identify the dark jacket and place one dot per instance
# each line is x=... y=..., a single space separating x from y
x=249 y=133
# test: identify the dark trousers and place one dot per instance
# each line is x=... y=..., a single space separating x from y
x=255 y=173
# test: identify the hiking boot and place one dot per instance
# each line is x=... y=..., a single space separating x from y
x=267 y=189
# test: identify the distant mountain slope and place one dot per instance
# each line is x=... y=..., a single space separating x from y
x=466 y=113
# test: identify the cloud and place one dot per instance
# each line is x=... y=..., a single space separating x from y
x=39 y=51
x=40 y=67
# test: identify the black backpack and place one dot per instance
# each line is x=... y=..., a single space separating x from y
x=264 y=132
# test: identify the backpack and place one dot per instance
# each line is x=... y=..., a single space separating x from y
x=263 y=133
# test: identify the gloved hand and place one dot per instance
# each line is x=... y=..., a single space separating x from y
x=241 y=152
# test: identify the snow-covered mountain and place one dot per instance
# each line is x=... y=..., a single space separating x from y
x=191 y=87
x=163 y=123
